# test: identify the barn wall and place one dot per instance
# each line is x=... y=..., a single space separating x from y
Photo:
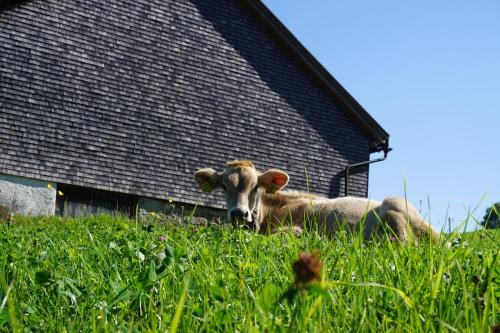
x=133 y=96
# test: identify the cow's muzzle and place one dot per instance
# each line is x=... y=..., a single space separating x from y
x=241 y=218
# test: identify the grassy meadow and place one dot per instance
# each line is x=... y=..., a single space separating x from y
x=111 y=274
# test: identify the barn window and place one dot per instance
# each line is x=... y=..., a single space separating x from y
x=79 y=201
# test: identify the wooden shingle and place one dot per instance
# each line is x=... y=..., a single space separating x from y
x=133 y=96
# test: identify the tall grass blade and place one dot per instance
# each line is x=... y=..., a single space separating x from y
x=180 y=307
x=6 y=297
x=399 y=292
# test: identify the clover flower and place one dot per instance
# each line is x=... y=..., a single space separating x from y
x=307 y=268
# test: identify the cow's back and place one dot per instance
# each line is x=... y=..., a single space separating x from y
x=347 y=212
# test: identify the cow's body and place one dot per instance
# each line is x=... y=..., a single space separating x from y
x=275 y=211
x=256 y=200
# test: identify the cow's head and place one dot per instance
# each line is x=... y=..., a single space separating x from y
x=241 y=182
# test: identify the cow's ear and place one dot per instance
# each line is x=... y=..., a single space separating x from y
x=208 y=179
x=273 y=180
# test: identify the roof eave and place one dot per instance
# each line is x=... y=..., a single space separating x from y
x=9 y=4
x=378 y=136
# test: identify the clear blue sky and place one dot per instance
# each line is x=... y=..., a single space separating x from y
x=429 y=73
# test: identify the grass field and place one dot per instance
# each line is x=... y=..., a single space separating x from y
x=110 y=274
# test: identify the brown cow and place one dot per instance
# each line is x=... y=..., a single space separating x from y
x=254 y=199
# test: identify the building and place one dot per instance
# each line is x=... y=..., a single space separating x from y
x=118 y=102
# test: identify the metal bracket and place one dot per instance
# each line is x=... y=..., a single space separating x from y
x=386 y=151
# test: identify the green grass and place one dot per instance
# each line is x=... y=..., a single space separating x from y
x=109 y=274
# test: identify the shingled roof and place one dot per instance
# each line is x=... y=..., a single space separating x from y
x=378 y=136
x=134 y=96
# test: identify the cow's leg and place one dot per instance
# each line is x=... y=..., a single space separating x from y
x=267 y=228
x=405 y=220
x=397 y=223
x=297 y=231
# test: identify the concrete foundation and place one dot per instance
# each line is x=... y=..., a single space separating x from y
x=27 y=196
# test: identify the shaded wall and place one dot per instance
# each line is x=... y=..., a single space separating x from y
x=134 y=96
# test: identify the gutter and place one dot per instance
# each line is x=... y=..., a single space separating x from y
x=385 y=148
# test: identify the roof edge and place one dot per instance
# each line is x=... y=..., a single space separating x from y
x=10 y=4
x=378 y=136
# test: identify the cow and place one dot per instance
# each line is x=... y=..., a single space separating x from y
x=256 y=200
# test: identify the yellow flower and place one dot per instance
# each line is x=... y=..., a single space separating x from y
x=60 y=193
x=170 y=200
x=49 y=186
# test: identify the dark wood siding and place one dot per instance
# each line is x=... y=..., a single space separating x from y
x=133 y=96
x=80 y=201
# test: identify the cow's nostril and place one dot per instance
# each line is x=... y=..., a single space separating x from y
x=237 y=214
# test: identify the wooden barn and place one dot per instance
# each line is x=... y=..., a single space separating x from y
x=116 y=103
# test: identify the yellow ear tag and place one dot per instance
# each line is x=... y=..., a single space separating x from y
x=205 y=187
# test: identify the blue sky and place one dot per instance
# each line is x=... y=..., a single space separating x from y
x=429 y=73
